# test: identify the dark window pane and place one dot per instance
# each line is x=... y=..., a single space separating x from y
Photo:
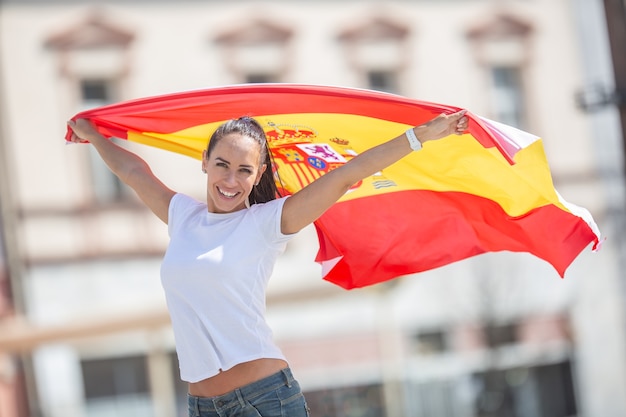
x=180 y=386
x=431 y=342
x=260 y=78
x=382 y=81
x=508 y=95
x=539 y=391
x=95 y=90
x=360 y=401
x=500 y=334
x=115 y=377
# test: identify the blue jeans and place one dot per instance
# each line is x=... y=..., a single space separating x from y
x=277 y=395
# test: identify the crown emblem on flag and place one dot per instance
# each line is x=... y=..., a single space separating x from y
x=339 y=141
x=284 y=134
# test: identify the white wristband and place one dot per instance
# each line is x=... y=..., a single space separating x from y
x=416 y=145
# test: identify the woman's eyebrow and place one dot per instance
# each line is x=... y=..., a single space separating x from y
x=226 y=162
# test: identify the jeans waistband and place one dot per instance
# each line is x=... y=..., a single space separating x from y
x=252 y=390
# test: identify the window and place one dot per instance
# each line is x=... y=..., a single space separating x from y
x=428 y=343
x=376 y=50
x=494 y=396
x=107 y=188
x=502 y=45
x=497 y=335
x=113 y=377
x=257 y=50
x=117 y=386
x=260 y=78
x=507 y=95
x=434 y=398
x=556 y=390
x=361 y=401
x=180 y=386
x=96 y=92
x=382 y=81
x=81 y=52
x=538 y=391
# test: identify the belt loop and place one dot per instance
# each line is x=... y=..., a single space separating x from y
x=242 y=403
x=196 y=406
x=286 y=375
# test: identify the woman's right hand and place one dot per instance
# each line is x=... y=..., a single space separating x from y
x=82 y=131
x=129 y=168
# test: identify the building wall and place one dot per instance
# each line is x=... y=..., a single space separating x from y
x=91 y=270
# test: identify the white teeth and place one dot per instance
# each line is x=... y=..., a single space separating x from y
x=227 y=194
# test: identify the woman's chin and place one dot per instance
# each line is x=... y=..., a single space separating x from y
x=224 y=205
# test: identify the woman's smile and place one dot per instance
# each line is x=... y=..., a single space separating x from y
x=226 y=193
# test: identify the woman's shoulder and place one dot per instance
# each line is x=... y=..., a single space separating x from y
x=267 y=217
x=184 y=199
x=183 y=205
x=271 y=205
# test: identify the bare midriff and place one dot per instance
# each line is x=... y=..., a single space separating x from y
x=236 y=377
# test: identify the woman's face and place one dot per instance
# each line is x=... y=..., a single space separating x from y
x=232 y=168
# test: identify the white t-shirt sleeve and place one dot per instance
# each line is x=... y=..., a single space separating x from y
x=181 y=207
x=270 y=219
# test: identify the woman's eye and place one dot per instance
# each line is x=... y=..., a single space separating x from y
x=246 y=170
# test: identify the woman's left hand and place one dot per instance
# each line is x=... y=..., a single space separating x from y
x=442 y=126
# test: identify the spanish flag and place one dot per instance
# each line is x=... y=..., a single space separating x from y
x=487 y=190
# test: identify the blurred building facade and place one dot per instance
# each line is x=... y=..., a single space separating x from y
x=499 y=335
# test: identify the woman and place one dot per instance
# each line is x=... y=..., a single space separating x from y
x=222 y=252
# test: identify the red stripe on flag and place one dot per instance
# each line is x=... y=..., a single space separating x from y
x=453 y=226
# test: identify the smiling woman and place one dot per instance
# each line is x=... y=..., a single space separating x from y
x=237 y=166
x=222 y=252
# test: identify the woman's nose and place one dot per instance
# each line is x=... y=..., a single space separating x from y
x=230 y=178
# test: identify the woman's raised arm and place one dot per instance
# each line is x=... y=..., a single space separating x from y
x=312 y=201
x=128 y=167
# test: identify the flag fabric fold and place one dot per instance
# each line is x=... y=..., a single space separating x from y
x=487 y=190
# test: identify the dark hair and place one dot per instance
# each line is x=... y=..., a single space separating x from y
x=266 y=190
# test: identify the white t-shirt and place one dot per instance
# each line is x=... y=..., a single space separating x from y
x=215 y=273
